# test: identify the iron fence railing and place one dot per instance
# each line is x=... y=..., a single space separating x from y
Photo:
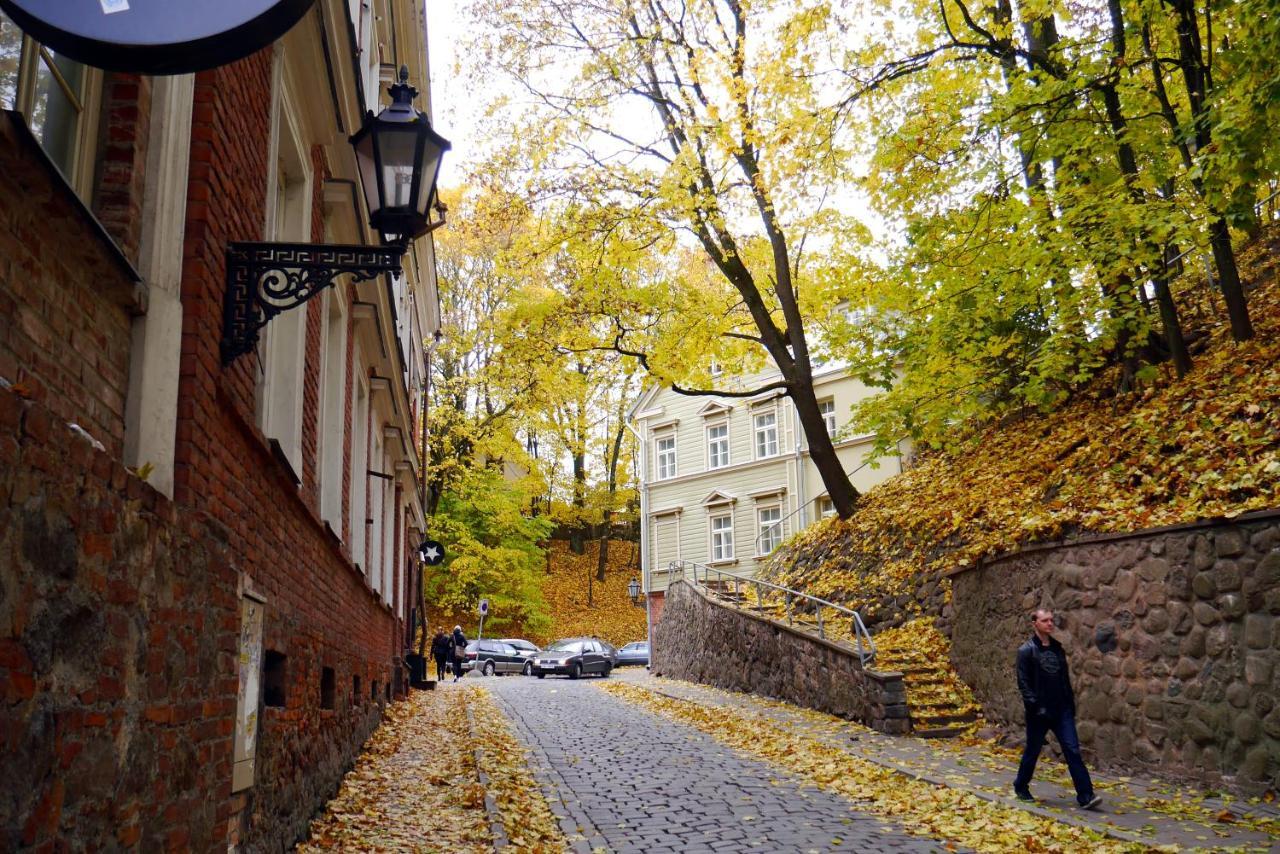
x=793 y=601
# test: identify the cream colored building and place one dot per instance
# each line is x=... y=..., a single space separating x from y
x=724 y=481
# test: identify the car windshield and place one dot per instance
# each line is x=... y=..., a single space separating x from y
x=565 y=646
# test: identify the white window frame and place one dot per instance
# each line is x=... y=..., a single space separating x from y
x=718 y=460
x=771 y=540
x=663 y=456
x=720 y=540
x=282 y=349
x=827 y=407
x=826 y=507
x=758 y=433
x=359 y=465
x=86 y=99
x=332 y=411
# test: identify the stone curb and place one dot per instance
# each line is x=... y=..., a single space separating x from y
x=500 y=840
x=1105 y=829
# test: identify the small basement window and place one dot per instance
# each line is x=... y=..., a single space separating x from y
x=373 y=690
x=326 y=688
x=273 y=678
x=355 y=690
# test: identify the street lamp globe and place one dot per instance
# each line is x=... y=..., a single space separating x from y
x=399 y=155
x=633 y=590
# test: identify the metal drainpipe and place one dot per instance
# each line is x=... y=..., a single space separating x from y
x=799 y=458
x=644 y=539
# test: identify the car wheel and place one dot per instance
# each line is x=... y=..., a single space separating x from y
x=607 y=668
x=488 y=668
x=528 y=668
x=542 y=676
x=576 y=671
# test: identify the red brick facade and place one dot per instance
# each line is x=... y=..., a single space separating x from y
x=120 y=609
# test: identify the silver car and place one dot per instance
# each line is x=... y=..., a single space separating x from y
x=525 y=648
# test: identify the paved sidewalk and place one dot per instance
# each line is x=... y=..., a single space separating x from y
x=1134 y=809
x=625 y=780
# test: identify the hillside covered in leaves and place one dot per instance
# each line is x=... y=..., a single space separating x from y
x=1173 y=451
x=610 y=615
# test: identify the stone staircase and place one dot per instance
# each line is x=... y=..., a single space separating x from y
x=941 y=705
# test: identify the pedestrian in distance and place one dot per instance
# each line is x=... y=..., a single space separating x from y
x=1050 y=705
x=441 y=651
x=459 y=651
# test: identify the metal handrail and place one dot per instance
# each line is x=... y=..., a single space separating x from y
x=866 y=646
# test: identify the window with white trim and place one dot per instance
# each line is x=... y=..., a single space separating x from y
x=718 y=445
x=722 y=537
x=766 y=429
x=770 y=528
x=58 y=97
x=333 y=409
x=828 y=409
x=826 y=508
x=665 y=455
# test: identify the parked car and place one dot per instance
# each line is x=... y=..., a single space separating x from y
x=491 y=656
x=574 y=657
x=527 y=649
x=636 y=652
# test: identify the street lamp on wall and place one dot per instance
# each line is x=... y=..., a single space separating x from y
x=398 y=155
x=633 y=590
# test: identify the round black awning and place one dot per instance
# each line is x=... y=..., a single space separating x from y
x=156 y=36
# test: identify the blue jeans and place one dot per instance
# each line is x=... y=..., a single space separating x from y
x=1063 y=725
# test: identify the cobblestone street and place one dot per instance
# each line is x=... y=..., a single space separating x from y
x=624 y=780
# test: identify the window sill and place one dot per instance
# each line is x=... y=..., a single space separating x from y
x=730 y=561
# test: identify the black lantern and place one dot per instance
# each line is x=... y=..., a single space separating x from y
x=398 y=155
x=633 y=590
x=399 y=158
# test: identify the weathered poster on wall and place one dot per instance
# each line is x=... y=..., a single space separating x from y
x=246 y=738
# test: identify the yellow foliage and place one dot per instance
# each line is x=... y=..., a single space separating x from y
x=611 y=616
x=1172 y=452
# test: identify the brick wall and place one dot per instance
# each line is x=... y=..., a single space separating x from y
x=65 y=300
x=320 y=612
x=126 y=114
x=118 y=632
x=1173 y=639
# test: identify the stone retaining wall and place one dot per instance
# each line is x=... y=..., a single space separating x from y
x=1173 y=638
x=703 y=641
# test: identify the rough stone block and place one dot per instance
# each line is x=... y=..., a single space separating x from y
x=1156 y=622
x=1257 y=631
x=1228 y=543
x=1232 y=606
x=1258 y=668
x=1206 y=614
x=1204 y=586
x=1202 y=555
x=1153 y=569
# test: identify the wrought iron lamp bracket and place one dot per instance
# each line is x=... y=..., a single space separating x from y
x=266 y=279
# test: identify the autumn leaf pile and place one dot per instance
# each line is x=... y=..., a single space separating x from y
x=526 y=818
x=414 y=786
x=923 y=655
x=1172 y=452
x=919 y=807
x=611 y=616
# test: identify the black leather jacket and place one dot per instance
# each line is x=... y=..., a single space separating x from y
x=1030 y=674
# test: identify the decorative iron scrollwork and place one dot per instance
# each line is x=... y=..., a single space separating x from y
x=265 y=279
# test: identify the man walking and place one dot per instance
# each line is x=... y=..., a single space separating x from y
x=1051 y=707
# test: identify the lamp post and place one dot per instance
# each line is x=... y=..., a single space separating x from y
x=633 y=590
x=398 y=155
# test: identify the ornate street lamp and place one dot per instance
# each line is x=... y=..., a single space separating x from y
x=633 y=590
x=399 y=156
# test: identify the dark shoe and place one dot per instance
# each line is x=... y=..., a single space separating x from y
x=1091 y=803
x=1025 y=795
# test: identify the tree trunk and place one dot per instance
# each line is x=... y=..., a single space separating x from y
x=1196 y=77
x=843 y=495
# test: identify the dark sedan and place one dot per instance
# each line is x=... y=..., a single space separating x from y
x=574 y=657
x=636 y=652
x=490 y=657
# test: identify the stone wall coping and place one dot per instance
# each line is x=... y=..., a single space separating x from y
x=835 y=646
x=1095 y=539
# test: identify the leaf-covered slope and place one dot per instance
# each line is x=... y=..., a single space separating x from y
x=611 y=616
x=1175 y=451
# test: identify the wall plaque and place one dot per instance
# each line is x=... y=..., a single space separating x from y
x=156 y=36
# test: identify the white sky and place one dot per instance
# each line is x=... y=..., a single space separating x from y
x=453 y=106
